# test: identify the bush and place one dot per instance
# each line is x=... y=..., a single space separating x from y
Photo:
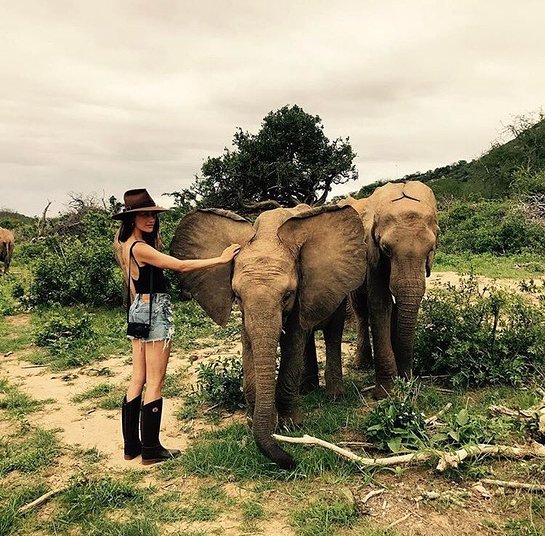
x=220 y=383
x=497 y=227
x=479 y=337
x=394 y=422
x=63 y=329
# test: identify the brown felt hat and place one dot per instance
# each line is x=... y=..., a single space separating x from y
x=137 y=201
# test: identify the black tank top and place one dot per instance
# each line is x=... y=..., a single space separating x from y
x=142 y=284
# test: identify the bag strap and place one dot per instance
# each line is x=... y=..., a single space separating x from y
x=131 y=254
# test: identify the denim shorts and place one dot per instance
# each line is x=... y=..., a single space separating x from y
x=162 y=324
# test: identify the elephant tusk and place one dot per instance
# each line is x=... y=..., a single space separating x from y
x=394 y=299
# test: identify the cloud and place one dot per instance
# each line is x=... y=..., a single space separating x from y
x=104 y=96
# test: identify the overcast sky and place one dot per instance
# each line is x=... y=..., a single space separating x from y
x=103 y=96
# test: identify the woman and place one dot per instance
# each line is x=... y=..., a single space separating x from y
x=144 y=264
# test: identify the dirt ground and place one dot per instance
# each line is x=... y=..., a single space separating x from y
x=406 y=500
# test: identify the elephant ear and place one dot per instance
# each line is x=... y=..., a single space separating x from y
x=331 y=248
x=203 y=234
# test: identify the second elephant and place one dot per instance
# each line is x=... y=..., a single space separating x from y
x=294 y=269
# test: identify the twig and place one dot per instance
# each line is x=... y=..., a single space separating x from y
x=372 y=494
x=41 y=499
x=513 y=484
x=434 y=418
x=33 y=366
x=400 y=520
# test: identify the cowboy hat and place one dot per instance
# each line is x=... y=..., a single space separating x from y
x=137 y=201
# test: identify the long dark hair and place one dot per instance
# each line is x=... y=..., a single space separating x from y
x=153 y=238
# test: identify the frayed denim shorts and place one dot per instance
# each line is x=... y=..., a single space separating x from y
x=162 y=323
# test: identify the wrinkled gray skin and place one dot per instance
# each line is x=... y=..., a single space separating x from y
x=294 y=269
x=7 y=245
x=332 y=328
x=400 y=222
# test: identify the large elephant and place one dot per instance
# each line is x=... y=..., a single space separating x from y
x=7 y=245
x=400 y=222
x=294 y=269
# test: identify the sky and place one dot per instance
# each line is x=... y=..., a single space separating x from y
x=103 y=96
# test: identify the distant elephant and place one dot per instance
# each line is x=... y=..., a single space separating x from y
x=400 y=222
x=7 y=245
x=294 y=269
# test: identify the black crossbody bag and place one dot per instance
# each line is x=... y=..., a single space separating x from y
x=139 y=330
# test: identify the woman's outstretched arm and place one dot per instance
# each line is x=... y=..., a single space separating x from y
x=144 y=253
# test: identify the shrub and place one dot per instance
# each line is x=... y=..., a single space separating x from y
x=63 y=329
x=394 y=422
x=75 y=272
x=220 y=383
x=479 y=337
x=489 y=227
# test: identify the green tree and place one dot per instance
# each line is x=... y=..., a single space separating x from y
x=290 y=160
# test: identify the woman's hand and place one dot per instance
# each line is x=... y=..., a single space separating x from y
x=229 y=253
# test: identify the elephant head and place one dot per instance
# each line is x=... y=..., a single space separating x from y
x=295 y=267
x=403 y=239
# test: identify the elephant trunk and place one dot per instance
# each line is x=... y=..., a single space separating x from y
x=408 y=297
x=264 y=348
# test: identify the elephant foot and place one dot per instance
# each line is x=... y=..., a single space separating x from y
x=383 y=388
x=335 y=390
x=292 y=419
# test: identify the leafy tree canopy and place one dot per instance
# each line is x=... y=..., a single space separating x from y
x=290 y=160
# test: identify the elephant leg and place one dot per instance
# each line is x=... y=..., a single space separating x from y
x=310 y=381
x=248 y=382
x=364 y=354
x=380 y=315
x=333 y=334
x=292 y=346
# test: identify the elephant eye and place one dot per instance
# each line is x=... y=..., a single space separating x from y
x=386 y=250
x=287 y=296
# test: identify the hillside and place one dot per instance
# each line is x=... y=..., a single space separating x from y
x=490 y=175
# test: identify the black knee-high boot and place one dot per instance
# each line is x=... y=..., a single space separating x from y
x=152 y=450
x=130 y=417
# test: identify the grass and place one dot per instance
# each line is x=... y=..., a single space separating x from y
x=323 y=516
x=16 y=403
x=29 y=452
x=523 y=266
x=103 y=395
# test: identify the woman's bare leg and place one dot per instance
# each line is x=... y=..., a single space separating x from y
x=156 y=359
x=138 y=378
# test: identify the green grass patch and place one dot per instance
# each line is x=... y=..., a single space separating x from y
x=15 y=333
x=87 y=498
x=16 y=403
x=103 y=395
x=175 y=384
x=11 y=499
x=73 y=337
x=323 y=517
x=522 y=266
x=29 y=453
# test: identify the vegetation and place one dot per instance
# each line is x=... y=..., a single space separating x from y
x=289 y=160
x=483 y=337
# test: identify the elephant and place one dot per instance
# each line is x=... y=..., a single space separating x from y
x=401 y=226
x=294 y=268
x=7 y=245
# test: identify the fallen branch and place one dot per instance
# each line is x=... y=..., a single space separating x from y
x=536 y=412
x=41 y=499
x=446 y=459
x=397 y=522
x=513 y=484
x=432 y=421
x=371 y=494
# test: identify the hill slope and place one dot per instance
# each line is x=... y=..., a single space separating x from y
x=489 y=176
